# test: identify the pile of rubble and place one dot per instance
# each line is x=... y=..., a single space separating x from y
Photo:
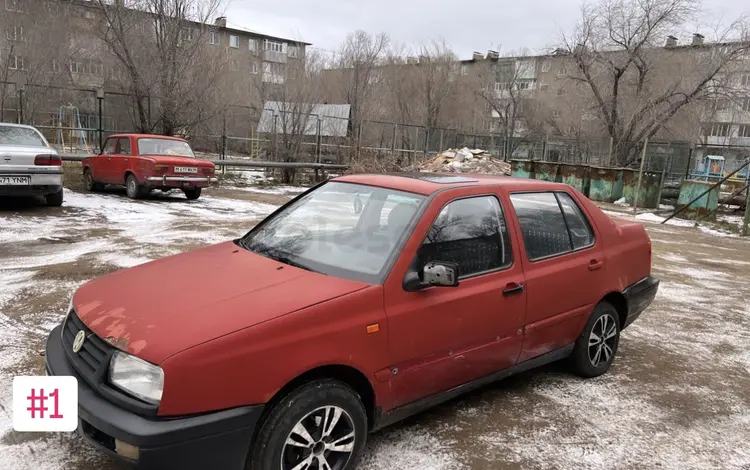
x=466 y=160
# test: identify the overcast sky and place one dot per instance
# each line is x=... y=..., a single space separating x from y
x=466 y=25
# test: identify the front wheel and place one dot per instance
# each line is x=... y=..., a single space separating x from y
x=192 y=193
x=321 y=425
x=595 y=349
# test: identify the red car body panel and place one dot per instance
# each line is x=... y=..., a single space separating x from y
x=113 y=167
x=232 y=328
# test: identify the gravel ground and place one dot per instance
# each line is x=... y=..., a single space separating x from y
x=676 y=398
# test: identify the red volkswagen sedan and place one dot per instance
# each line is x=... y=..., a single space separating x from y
x=143 y=162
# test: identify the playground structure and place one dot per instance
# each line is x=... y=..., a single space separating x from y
x=71 y=135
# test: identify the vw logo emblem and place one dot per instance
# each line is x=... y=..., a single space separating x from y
x=78 y=341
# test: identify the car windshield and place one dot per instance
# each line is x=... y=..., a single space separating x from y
x=339 y=229
x=12 y=135
x=151 y=146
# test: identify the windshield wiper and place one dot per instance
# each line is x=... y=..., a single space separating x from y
x=289 y=261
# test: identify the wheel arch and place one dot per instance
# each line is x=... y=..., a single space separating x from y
x=620 y=303
x=349 y=375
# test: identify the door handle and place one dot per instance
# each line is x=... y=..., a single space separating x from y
x=594 y=265
x=513 y=288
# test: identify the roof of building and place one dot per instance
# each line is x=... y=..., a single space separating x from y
x=231 y=27
x=428 y=183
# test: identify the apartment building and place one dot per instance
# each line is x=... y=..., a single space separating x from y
x=55 y=66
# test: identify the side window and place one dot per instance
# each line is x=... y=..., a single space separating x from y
x=109 y=147
x=542 y=225
x=580 y=230
x=471 y=232
x=123 y=146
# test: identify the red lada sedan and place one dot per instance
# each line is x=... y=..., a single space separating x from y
x=144 y=162
x=362 y=301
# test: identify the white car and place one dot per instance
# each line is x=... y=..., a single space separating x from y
x=29 y=165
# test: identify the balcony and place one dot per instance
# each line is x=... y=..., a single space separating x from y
x=274 y=56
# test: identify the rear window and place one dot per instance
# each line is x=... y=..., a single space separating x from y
x=23 y=136
x=156 y=146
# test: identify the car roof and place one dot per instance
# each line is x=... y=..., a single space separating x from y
x=11 y=124
x=427 y=182
x=149 y=136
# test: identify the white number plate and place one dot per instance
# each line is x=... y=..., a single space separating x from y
x=14 y=180
x=185 y=169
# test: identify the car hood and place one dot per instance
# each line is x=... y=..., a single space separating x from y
x=177 y=160
x=165 y=306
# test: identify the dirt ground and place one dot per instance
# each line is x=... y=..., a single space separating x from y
x=676 y=398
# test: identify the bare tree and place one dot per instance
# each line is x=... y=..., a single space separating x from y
x=637 y=85
x=360 y=56
x=295 y=92
x=506 y=89
x=162 y=48
x=34 y=55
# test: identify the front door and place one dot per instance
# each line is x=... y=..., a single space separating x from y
x=441 y=337
x=101 y=165
x=563 y=262
x=121 y=160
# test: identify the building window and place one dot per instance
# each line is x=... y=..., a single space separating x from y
x=187 y=34
x=746 y=104
x=254 y=67
x=546 y=65
x=14 y=5
x=273 y=72
x=234 y=41
x=214 y=38
x=745 y=79
x=718 y=130
x=555 y=113
x=560 y=91
x=293 y=52
x=15 y=33
x=562 y=70
x=543 y=86
x=15 y=62
x=274 y=46
x=233 y=66
x=89 y=15
x=464 y=69
x=744 y=130
x=54 y=66
x=252 y=45
x=523 y=85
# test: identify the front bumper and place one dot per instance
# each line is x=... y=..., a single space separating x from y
x=214 y=440
x=181 y=181
x=40 y=183
x=639 y=296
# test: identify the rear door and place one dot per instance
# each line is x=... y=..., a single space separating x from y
x=121 y=160
x=441 y=337
x=562 y=263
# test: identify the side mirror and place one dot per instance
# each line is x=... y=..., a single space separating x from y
x=435 y=273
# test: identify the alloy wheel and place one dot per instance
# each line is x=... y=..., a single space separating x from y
x=322 y=440
x=602 y=340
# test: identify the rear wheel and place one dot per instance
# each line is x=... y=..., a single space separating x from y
x=89 y=183
x=595 y=349
x=55 y=199
x=132 y=188
x=192 y=193
x=320 y=426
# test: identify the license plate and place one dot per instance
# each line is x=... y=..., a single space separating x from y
x=15 y=180
x=185 y=169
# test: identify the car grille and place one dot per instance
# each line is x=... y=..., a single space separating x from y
x=92 y=361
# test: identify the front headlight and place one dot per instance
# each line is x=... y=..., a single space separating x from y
x=137 y=377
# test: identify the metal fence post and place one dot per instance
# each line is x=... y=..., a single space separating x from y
x=223 y=138
x=640 y=178
x=746 y=219
x=100 y=127
x=426 y=141
x=611 y=143
x=393 y=142
x=661 y=186
x=20 y=105
x=318 y=142
x=441 y=140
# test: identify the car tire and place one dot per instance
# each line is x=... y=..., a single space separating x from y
x=55 y=199
x=89 y=184
x=192 y=193
x=595 y=349
x=328 y=413
x=132 y=188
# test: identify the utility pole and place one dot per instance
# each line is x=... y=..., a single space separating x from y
x=640 y=178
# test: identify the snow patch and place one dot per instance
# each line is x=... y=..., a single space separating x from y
x=651 y=217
